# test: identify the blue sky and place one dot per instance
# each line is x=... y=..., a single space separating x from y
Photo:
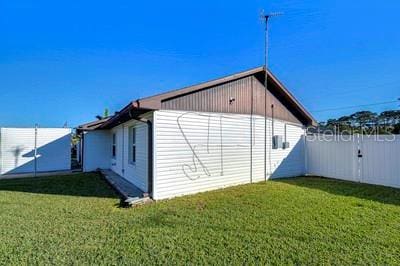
x=65 y=61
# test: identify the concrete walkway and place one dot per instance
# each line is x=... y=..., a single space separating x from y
x=130 y=193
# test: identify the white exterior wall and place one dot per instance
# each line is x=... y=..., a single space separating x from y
x=17 y=150
x=197 y=151
x=280 y=162
x=96 y=150
x=136 y=173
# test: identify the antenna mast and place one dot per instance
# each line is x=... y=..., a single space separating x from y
x=265 y=18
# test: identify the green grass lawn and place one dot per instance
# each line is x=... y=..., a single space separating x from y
x=77 y=220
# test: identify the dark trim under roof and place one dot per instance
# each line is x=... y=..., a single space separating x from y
x=295 y=103
x=93 y=125
x=141 y=106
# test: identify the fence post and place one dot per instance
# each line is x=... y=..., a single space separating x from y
x=35 y=150
x=358 y=168
x=1 y=153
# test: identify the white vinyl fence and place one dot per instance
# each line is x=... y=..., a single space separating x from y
x=365 y=159
x=29 y=150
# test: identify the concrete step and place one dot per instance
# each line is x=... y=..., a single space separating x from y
x=137 y=201
x=130 y=194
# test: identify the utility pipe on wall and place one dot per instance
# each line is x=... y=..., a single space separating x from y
x=251 y=133
x=123 y=150
x=272 y=133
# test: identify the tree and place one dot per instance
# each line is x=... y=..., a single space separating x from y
x=396 y=129
x=105 y=114
x=345 y=123
x=364 y=121
x=331 y=123
x=388 y=117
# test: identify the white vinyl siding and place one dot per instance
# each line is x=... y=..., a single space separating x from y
x=289 y=162
x=137 y=172
x=197 y=151
x=97 y=147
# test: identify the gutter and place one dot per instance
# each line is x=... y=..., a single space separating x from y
x=312 y=121
x=124 y=110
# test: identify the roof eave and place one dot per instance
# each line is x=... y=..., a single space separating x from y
x=131 y=111
x=312 y=121
x=93 y=125
x=153 y=103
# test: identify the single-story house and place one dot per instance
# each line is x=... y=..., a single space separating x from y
x=220 y=133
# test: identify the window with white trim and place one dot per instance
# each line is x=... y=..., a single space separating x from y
x=132 y=145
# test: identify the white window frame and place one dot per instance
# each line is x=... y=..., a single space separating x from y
x=132 y=145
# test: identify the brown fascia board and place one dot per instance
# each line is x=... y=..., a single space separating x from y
x=92 y=125
x=115 y=117
x=131 y=111
x=290 y=96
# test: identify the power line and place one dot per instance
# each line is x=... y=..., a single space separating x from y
x=355 y=106
x=354 y=89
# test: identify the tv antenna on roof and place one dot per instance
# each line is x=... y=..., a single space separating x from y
x=265 y=18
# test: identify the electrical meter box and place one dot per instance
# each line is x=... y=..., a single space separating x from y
x=276 y=142
x=286 y=145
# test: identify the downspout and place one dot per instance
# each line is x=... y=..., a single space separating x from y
x=150 y=157
x=149 y=153
x=272 y=136
x=251 y=133
x=82 y=151
x=272 y=115
x=305 y=153
x=123 y=151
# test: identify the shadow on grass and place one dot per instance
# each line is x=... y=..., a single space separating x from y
x=376 y=193
x=83 y=185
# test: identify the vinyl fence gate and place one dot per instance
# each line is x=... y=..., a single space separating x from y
x=34 y=150
x=365 y=159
